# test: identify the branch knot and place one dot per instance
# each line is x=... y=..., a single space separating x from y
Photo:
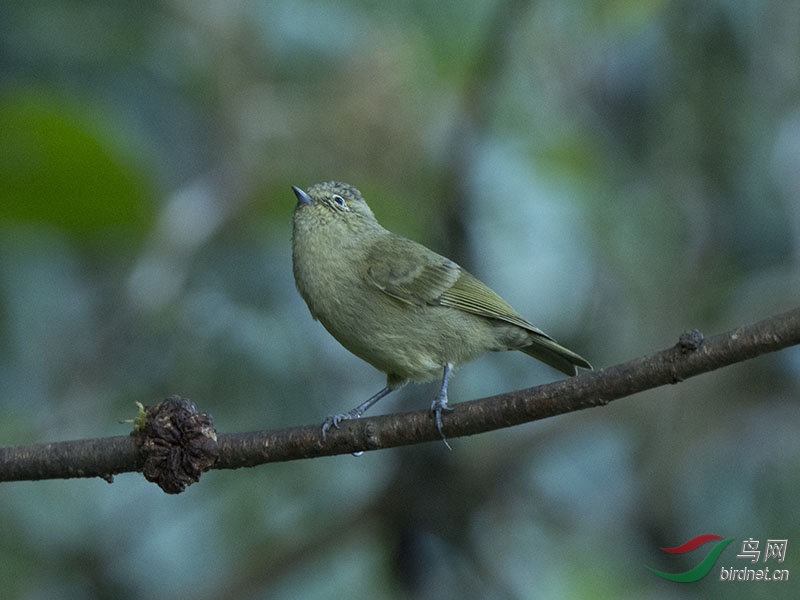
x=176 y=444
x=690 y=341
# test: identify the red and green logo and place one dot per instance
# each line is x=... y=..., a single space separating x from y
x=705 y=565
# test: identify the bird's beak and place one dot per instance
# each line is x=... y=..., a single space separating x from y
x=302 y=197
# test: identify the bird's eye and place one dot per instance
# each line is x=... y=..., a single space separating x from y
x=339 y=200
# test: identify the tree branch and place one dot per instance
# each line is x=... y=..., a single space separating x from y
x=692 y=356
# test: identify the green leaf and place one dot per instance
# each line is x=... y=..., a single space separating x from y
x=59 y=165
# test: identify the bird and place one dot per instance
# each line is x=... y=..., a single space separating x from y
x=398 y=305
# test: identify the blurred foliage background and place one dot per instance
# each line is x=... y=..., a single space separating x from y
x=620 y=171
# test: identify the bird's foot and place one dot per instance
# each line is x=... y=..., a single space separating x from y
x=331 y=421
x=334 y=420
x=438 y=406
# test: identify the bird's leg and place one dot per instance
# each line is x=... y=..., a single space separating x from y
x=334 y=420
x=440 y=403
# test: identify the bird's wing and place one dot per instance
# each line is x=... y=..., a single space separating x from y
x=409 y=271
x=416 y=275
x=472 y=295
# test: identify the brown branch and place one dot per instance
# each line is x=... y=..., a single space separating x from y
x=692 y=356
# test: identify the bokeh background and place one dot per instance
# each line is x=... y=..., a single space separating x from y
x=621 y=171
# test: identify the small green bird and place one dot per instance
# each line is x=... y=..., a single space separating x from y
x=398 y=305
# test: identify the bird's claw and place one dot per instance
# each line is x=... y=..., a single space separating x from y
x=438 y=406
x=334 y=420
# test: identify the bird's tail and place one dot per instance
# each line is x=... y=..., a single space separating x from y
x=550 y=352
